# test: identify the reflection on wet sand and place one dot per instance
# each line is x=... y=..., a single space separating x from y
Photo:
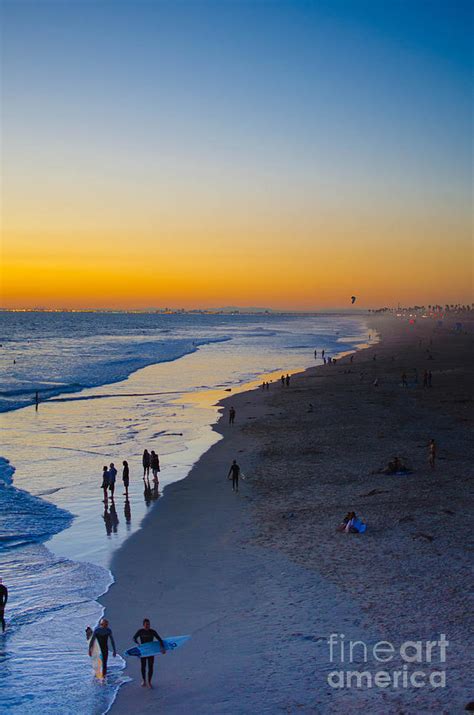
x=110 y=517
x=127 y=512
x=150 y=493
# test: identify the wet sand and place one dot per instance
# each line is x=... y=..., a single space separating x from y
x=260 y=579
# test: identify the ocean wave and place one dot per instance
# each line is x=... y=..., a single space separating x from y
x=72 y=369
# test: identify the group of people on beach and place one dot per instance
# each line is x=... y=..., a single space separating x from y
x=150 y=460
x=109 y=477
x=102 y=634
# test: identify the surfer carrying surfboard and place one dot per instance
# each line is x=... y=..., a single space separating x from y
x=147 y=635
x=102 y=634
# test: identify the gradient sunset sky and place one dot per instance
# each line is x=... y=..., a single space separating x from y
x=200 y=154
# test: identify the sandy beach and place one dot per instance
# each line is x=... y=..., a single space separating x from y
x=261 y=579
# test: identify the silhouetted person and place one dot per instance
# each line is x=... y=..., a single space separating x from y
x=112 y=478
x=234 y=472
x=154 y=464
x=146 y=460
x=3 y=603
x=36 y=400
x=126 y=477
x=231 y=415
x=287 y=380
x=105 y=481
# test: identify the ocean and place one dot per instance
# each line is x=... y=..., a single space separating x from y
x=110 y=384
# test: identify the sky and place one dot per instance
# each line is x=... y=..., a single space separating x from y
x=286 y=154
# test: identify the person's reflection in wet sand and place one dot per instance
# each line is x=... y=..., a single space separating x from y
x=127 y=512
x=147 y=491
x=107 y=519
x=114 y=520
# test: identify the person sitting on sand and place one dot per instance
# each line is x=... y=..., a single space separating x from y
x=395 y=466
x=345 y=521
x=350 y=524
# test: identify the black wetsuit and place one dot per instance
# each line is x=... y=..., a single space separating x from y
x=235 y=471
x=126 y=476
x=102 y=635
x=3 y=603
x=147 y=635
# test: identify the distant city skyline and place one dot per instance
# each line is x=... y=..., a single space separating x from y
x=287 y=154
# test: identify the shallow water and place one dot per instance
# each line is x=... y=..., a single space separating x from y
x=58 y=453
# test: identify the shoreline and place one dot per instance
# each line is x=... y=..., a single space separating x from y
x=53 y=415
x=204 y=570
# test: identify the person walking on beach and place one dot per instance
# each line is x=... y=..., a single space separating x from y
x=323 y=352
x=37 y=399
x=287 y=380
x=3 y=603
x=105 y=481
x=232 y=415
x=102 y=634
x=146 y=463
x=315 y=354
x=404 y=380
x=282 y=378
x=125 y=477
x=234 y=472
x=432 y=453
x=148 y=635
x=112 y=478
x=154 y=464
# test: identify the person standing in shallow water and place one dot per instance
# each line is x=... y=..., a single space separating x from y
x=154 y=464
x=3 y=603
x=234 y=473
x=102 y=634
x=112 y=478
x=146 y=460
x=105 y=481
x=125 y=477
